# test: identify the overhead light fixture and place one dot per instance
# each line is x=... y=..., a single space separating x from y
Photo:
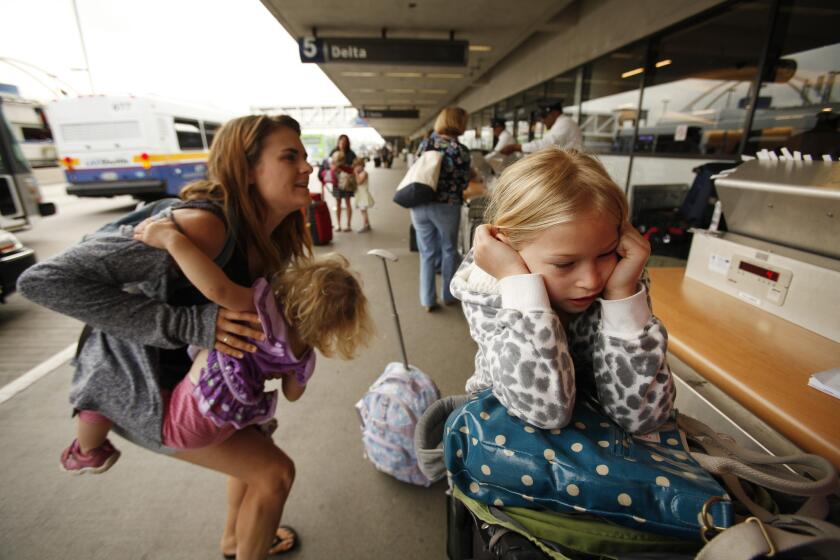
x=445 y=76
x=826 y=110
x=364 y=90
x=633 y=72
x=360 y=74
x=435 y=91
x=399 y=90
x=481 y=48
x=665 y=62
x=404 y=74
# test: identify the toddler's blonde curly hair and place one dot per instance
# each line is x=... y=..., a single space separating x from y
x=323 y=301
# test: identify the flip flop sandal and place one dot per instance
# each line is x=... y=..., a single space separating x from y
x=277 y=540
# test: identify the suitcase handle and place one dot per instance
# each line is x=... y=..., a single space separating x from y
x=389 y=256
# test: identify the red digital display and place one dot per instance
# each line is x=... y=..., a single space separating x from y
x=758 y=271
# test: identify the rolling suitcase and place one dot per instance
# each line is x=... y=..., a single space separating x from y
x=390 y=409
x=469 y=538
x=318 y=220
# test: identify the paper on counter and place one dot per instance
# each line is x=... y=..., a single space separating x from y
x=827 y=381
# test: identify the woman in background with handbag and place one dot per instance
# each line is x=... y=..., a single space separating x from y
x=437 y=222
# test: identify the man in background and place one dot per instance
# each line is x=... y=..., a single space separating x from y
x=563 y=132
x=498 y=160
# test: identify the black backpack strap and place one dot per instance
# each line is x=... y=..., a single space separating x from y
x=227 y=251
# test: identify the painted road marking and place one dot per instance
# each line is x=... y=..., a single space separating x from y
x=36 y=373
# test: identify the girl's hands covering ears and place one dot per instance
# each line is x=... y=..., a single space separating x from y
x=633 y=250
x=494 y=255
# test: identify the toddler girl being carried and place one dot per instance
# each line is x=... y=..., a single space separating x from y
x=315 y=305
x=557 y=299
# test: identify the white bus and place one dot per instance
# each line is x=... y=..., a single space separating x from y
x=29 y=125
x=140 y=146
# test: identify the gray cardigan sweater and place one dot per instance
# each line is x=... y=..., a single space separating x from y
x=118 y=286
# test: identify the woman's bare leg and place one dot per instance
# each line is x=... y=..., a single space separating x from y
x=267 y=475
x=349 y=213
x=235 y=494
x=338 y=213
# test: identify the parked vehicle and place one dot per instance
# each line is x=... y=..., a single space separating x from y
x=29 y=126
x=139 y=146
x=14 y=259
x=20 y=194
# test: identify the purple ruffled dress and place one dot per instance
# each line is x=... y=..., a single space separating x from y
x=231 y=391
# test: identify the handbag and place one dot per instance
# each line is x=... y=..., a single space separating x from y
x=766 y=533
x=419 y=186
x=650 y=483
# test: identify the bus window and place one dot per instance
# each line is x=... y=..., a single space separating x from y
x=189 y=134
x=100 y=131
x=32 y=134
x=210 y=130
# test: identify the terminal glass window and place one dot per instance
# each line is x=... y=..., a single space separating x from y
x=700 y=83
x=210 y=130
x=485 y=133
x=533 y=98
x=799 y=101
x=564 y=89
x=189 y=134
x=523 y=126
x=610 y=100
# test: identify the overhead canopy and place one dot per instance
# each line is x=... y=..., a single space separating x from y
x=492 y=28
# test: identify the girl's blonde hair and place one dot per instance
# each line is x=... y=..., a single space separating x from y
x=338 y=158
x=235 y=152
x=452 y=121
x=552 y=187
x=324 y=302
x=359 y=161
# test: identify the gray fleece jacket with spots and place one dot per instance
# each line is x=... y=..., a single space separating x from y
x=615 y=350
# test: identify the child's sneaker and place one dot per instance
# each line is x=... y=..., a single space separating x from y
x=96 y=461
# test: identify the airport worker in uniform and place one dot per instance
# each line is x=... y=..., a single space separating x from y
x=497 y=160
x=563 y=132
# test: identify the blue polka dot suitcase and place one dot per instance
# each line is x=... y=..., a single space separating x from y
x=650 y=483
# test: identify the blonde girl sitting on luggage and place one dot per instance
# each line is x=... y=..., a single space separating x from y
x=364 y=200
x=315 y=305
x=557 y=299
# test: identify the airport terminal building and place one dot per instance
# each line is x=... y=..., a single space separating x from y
x=657 y=88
